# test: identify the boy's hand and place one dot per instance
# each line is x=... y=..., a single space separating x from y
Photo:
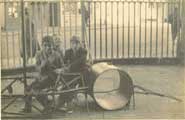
x=59 y=70
x=44 y=63
x=66 y=68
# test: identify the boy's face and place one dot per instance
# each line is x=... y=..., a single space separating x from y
x=75 y=45
x=47 y=48
x=58 y=46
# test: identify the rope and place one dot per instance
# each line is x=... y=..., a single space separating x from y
x=150 y=92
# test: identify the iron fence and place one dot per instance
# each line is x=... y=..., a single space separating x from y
x=123 y=30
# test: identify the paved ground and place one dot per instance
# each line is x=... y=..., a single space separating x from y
x=164 y=79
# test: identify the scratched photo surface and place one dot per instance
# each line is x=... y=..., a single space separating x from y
x=92 y=59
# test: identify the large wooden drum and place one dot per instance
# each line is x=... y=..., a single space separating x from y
x=111 y=87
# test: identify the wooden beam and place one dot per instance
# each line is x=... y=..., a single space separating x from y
x=17 y=70
x=45 y=93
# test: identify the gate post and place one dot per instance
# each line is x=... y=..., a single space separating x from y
x=82 y=22
x=23 y=44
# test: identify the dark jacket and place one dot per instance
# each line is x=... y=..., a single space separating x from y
x=77 y=60
x=46 y=65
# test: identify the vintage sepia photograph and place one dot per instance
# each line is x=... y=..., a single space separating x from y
x=92 y=59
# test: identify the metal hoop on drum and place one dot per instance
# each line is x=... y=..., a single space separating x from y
x=110 y=86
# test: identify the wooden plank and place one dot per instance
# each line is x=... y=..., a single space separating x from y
x=45 y=93
x=17 y=70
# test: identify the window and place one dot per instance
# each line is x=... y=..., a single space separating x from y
x=12 y=16
x=54 y=18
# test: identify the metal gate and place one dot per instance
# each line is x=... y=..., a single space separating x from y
x=124 y=31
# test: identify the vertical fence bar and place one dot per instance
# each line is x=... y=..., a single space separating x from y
x=83 y=22
x=178 y=33
x=117 y=29
x=128 y=29
x=95 y=29
x=76 y=12
x=180 y=24
x=13 y=42
x=41 y=14
x=53 y=17
x=1 y=40
x=100 y=31
x=36 y=32
x=173 y=42
x=48 y=19
x=151 y=32
x=140 y=29
x=37 y=29
x=111 y=29
x=58 y=18
x=162 y=41
x=167 y=32
x=7 y=48
x=145 y=29
x=31 y=30
x=106 y=29
x=134 y=35
x=89 y=8
x=7 y=61
x=19 y=45
x=157 y=18
x=63 y=3
x=123 y=30
x=27 y=31
x=70 y=32
x=23 y=45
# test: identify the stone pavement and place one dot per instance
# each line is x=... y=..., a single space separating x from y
x=163 y=79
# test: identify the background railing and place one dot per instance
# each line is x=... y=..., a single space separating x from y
x=130 y=29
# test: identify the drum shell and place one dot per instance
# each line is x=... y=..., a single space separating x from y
x=114 y=100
